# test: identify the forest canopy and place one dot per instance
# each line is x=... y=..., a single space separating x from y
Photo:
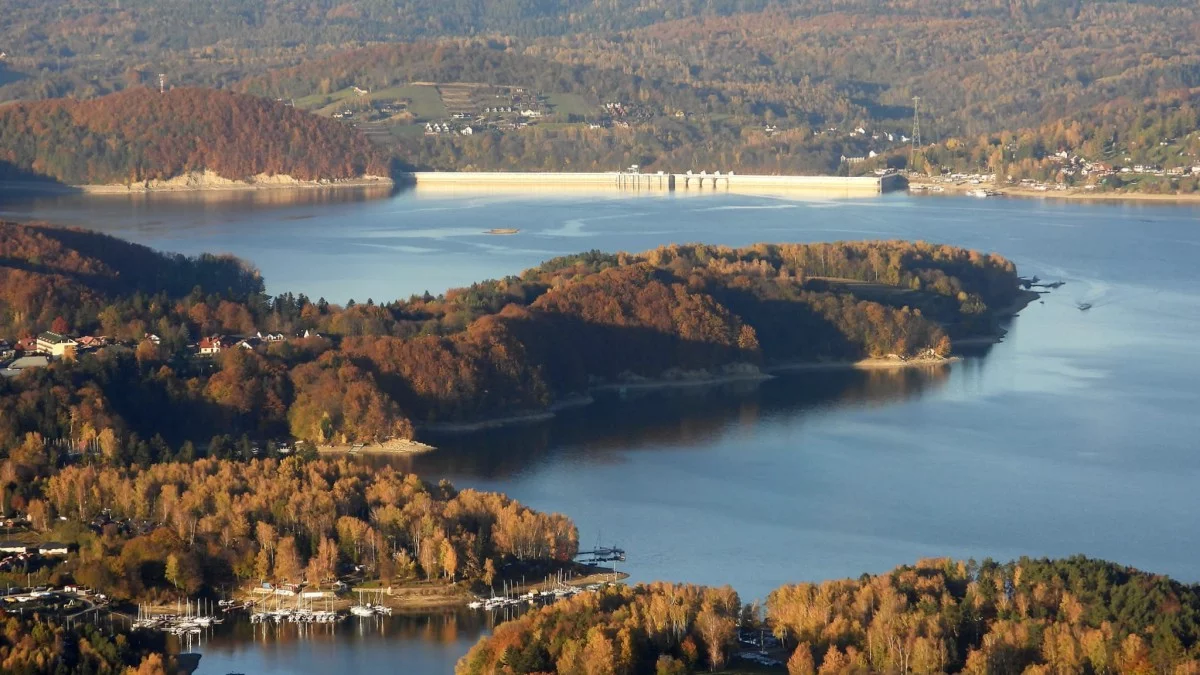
x=1073 y=615
x=283 y=521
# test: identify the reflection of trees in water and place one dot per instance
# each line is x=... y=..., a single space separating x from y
x=171 y=204
x=665 y=419
x=436 y=627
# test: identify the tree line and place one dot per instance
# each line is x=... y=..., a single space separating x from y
x=39 y=645
x=1073 y=615
x=194 y=527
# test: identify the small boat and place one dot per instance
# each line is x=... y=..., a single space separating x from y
x=1084 y=306
x=362 y=610
x=978 y=193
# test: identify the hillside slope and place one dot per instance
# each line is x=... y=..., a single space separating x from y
x=141 y=135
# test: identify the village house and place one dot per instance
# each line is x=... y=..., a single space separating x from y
x=92 y=342
x=270 y=337
x=56 y=345
x=53 y=548
x=211 y=346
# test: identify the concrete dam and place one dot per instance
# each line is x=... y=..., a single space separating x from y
x=691 y=182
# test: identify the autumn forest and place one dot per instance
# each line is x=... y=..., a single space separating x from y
x=368 y=372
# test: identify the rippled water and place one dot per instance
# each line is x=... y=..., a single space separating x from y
x=1077 y=434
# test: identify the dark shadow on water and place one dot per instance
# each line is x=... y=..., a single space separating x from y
x=664 y=419
x=19 y=183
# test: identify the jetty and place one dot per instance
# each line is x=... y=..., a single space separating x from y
x=302 y=611
x=184 y=621
x=553 y=589
x=601 y=555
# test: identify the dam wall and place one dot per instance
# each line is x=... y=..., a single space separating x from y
x=830 y=185
x=647 y=181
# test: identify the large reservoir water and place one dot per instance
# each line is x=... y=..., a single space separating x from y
x=1077 y=434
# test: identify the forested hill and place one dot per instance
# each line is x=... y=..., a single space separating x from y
x=140 y=135
x=1029 y=616
x=514 y=345
x=74 y=278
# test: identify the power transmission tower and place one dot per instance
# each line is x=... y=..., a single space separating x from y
x=916 y=136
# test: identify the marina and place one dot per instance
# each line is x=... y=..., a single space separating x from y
x=187 y=619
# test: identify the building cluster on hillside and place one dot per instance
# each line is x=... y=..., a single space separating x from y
x=436 y=129
x=214 y=345
x=37 y=351
x=40 y=351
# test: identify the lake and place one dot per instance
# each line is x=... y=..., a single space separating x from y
x=1076 y=434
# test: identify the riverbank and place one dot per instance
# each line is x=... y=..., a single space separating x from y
x=396 y=446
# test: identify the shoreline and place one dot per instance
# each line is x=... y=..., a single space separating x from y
x=395 y=446
x=874 y=363
x=1072 y=194
x=182 y=185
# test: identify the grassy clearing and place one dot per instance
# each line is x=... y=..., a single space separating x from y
x=424 y=101
x=571 y=104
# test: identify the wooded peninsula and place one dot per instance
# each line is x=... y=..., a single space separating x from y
x=156 y=356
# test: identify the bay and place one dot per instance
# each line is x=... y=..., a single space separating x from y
x=1076 y=434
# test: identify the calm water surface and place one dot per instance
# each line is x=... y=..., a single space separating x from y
x=1077 y=434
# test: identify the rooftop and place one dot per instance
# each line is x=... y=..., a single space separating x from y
x=54 y=338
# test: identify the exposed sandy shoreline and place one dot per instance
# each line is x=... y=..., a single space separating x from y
x=865 y=364
x=197 y=182
x=396 y=446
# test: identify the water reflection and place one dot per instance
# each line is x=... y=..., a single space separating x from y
x=189 y=200
x=685 y=419
x=431 y=641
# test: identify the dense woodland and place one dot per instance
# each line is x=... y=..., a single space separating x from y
x=1030 y=616
x=369 y=372
x=141 y=135
x=196 y=527
x=36 y=645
